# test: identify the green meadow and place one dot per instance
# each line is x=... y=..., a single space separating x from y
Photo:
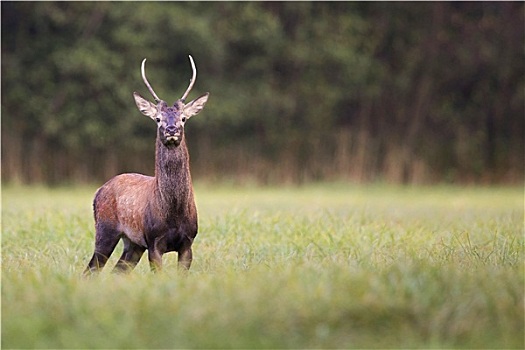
x=319 y=266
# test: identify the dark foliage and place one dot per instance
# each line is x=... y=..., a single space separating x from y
x=300 y=91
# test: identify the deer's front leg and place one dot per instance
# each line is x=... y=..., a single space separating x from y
x=155 y=260
x=155 y=254
x=184 y=259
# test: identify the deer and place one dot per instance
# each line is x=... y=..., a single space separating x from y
x=154 y=213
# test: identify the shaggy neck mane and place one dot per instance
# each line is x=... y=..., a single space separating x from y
x=172 y=176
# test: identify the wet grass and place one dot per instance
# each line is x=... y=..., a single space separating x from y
x=322 y=266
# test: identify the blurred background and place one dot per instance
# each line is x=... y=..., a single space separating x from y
x=405 y=93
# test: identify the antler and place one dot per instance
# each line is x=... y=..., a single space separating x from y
x=192 y=81
x=143 y=70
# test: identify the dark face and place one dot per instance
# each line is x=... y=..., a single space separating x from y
x=170 y=122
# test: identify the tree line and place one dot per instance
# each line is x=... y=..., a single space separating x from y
x=299 y=91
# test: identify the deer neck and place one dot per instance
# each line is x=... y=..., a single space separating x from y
x=172 y=175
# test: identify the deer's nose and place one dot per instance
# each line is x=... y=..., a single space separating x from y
x=171 y=130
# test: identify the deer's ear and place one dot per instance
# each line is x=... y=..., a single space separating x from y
x=145 y=107
x=195 y=106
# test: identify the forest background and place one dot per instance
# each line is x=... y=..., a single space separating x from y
x=300 y=91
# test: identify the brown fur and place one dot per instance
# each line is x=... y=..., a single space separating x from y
x=157 y=213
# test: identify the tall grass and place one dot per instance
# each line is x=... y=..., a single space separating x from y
x=323 y=266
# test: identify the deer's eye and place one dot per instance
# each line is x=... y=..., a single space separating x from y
x=183 y=119
x=157 y=120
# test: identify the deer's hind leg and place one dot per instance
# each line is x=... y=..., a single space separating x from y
x=106 y=240
x=130 y=256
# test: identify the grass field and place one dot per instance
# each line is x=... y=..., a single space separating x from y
x=322 y=266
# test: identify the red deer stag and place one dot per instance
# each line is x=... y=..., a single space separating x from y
x=155 y=213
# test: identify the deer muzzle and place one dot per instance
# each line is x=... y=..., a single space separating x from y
x=172 y=133
x=173 y=137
